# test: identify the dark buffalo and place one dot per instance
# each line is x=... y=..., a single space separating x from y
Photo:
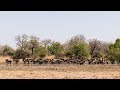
x=16 y=61
x=8 y=61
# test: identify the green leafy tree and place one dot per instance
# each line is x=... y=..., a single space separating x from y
x=33 y=44
x=47 y=43
x=114 y=51
x=40 y=51
x=81 y=51
x=56 y=49
x=21 y=54
x=77 y=47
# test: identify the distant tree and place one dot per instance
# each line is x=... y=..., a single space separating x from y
x=33 y=43
x=81 y=51
x=22 y=51
x=114 y=51
x=77 y=39
x=1 y=50
x=56 y=49
x=7 y=50
x=68 y=50
x=40 y=51
x=22 y=41
x=47 y=42
x=76 y=47
x=98 y=48
x=21 y=54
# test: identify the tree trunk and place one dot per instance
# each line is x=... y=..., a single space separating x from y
x=32 y=51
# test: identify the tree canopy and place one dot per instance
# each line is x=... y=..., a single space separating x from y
x=114 y=51
x=76 y=47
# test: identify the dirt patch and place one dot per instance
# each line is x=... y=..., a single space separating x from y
x=60 y=72
x=2 y=58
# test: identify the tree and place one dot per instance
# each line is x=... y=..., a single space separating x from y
x=33 y=43
x=76 y=46
x=40 y=51
x=56 y=49
x=7 y=50
x=68 y=50
x=98 y=48
x=21 y=54
x=47 y=42
x=114 y=51
x=1 y=50
x=23 y=47
x=22 y=41
x=81 y=51
x=77 y=39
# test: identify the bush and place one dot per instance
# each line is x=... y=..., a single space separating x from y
x=21 y=54
x=40 y=51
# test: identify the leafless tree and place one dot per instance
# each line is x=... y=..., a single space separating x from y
x=77 y=39
x=22 y=41
x=97 y=46
x=47 y=42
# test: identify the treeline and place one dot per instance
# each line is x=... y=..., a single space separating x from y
x=75 y=48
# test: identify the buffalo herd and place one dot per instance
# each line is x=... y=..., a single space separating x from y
x=30 y=61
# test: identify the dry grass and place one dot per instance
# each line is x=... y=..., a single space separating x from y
x=2 y=58
x=60 y=72
x=50 y=57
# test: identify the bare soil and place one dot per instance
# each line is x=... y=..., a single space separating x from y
x=60 y=72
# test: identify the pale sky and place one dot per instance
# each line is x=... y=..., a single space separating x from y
x=59 y=25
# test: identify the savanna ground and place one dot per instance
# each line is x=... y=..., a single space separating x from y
x=58 y=71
